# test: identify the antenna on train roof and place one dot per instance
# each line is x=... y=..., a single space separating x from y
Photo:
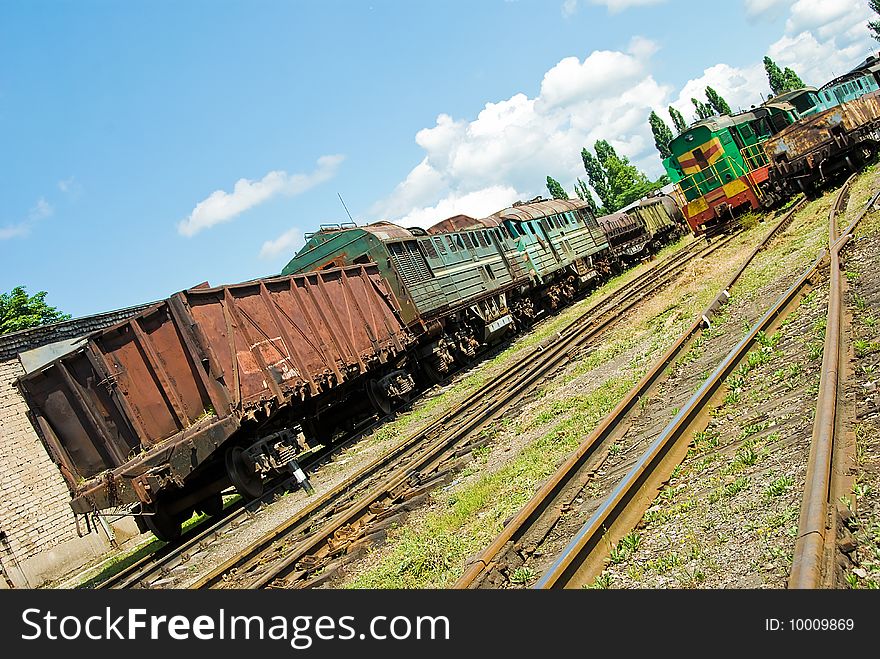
x=346 y=208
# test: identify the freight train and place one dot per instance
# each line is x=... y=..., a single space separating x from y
x=793 y=142
x=217 y=386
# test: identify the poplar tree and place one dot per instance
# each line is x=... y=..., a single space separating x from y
x=704 y=110
x=616 y=181
x=678 y=119
x=582 y=190
x=717 y=101
x=774 y=76
x=792 y=80
x=556 y=190
x=662 y=134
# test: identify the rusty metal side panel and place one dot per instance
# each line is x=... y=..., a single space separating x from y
x=275 y=338
x=153 y=371
x=65 y=428
x=807 y=135
x=860 y=111
x=125 y=389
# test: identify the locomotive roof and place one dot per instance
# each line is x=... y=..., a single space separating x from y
x=388 y=231
x=534 y=210
x=382 y=230
x=855 y=74
x=725 y=121
x=462 y=222
x=787 y=96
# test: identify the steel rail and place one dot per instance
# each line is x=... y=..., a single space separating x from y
x=580 y=559
x=813 y=557
x=516 y=378
x=170 y=555
x=545 y=499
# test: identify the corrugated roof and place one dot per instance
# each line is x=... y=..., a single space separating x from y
x=534 y=210
x=388 y=231
x=461 y=223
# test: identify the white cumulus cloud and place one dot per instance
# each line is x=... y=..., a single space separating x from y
x=740 y=87
x=765 y=8
x=824 y=39
x=478 y=166
x=221 y=206
x=288 y=242
x=479 y=203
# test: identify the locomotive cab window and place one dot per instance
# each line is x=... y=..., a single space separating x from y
x=451 y=244
x=440 y=247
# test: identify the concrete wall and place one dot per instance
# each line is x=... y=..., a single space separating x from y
x=38 y=535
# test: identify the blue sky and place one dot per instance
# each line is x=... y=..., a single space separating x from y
x=151 y=146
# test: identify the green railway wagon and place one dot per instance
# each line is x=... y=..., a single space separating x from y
x=451 y=290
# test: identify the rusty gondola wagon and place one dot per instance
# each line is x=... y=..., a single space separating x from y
x=159 y=413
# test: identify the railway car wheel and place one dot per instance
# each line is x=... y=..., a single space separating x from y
x=212 y=506
x=378 y=398
x=243 y=476
x=165 y=526
x=431 y=374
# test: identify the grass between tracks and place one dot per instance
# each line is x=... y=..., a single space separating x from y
x=431 y=548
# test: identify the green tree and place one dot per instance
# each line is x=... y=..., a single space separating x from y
x=717 y=101
x=20 y=311
x=597 y=175
x=792 y=80
x=874 y=26
x=582 y=190
x=678 y=119
x=556 y=190
x=775 y=77
x=704 y=110
x=662 y=134
x=615 y=180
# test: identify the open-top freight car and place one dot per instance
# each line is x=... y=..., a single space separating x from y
x=662 y=218
x=161 y=412
x=807 y=154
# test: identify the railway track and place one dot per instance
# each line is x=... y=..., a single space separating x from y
x=828 y=475
x=153 y=570
x=832 y=447
x=358 y=511
x=525 y=532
